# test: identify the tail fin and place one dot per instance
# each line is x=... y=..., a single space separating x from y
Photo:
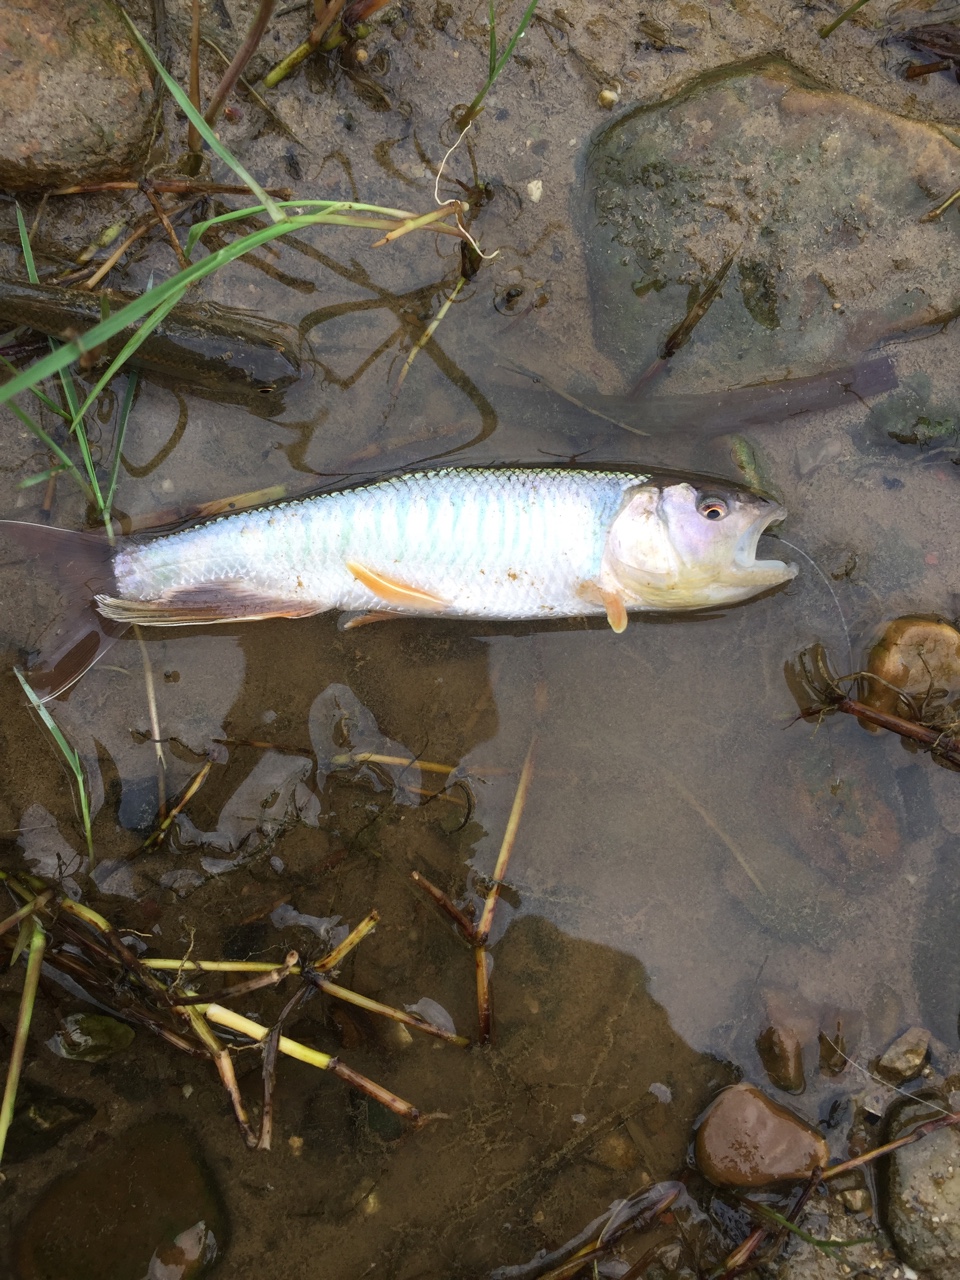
x=82 y=564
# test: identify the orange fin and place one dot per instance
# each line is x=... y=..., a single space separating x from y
x=350 y=621
x=393 y=592
x=616 y=610
x=228 y=601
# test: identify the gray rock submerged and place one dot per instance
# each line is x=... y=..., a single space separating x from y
x=75 y=94
x=922 y=1203
x=815 y=195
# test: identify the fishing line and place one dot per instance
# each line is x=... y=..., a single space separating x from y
x=829 y=585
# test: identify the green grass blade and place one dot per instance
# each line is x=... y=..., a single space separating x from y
x=26 y=248
x=508 y=51
x=122 y=421
x=49 y=443
x=492 y=70
x=38 y=944
x=208 y=135
x=44 y=399
x=69 y=755
x=41 y=477
x=126 y=351
x=847 y=13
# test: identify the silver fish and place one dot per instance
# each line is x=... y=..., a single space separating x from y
x=507 y=543
x=485 y=543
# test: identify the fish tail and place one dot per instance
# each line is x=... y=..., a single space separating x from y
x=82 y=565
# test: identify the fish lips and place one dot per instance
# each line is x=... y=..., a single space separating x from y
x=771 y=572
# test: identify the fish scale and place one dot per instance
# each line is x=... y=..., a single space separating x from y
x=494 y=543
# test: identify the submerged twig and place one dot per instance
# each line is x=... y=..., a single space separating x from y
x=38 y=944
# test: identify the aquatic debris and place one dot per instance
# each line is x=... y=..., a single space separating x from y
x=638 y=1213
x=745 y=1139
x=820 y=691
x=942 y=40
x=914 y=670
x=160 y=995
x=90 y=1037
x=229 y=354
x=478 y=934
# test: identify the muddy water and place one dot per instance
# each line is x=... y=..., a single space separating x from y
x=688 y=860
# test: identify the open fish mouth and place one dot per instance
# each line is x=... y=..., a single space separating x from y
x=745 y=555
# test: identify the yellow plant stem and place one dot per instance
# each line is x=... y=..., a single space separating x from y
x=38 y=944
x=387 y=1011
x=313 y=1057
x=506 y=848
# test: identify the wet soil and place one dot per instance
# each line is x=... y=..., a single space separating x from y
x=687 y=853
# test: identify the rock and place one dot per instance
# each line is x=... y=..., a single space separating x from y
x=40 y=1119
x=91 y=1037
x=746 y=1140
x=918 y=656
x=76 y=96
x=615 y=1151
x=904 y=1059
x=809 y=191
x=781 y=1053
x=146 y=1201
x=923 y=1197
x=824 y=1219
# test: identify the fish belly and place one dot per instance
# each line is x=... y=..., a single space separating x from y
x=498 y=543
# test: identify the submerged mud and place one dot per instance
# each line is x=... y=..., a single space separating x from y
x=691 y=868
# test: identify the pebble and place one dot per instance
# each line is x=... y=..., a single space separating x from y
x=145 y=1201
x=904 y=1059
x=747 y=1140
x=914 y=655
x=922 y=1203
x=76 y=97
x=781 y=1053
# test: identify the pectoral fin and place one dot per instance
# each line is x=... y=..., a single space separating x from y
x=399 y=594
x=616 y=610
x=350 y=621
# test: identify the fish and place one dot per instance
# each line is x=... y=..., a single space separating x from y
x=225 y=352
x=508 y=543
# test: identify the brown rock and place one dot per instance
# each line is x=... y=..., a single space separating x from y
x=75 y=94
x=904 y=1059
x=916 y=655
x=781 y=1053
x=746 y=1140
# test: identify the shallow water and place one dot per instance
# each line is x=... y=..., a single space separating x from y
x=689 y=858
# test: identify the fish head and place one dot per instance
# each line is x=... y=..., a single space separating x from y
x=691 y=546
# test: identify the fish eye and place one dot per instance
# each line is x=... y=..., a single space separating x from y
x=712 y=508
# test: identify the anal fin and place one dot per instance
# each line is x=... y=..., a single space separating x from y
x=350 y=621
x=394 y=592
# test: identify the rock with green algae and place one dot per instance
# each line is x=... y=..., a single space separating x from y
x=816 y=195
x=76 y=97
x=145 y=1202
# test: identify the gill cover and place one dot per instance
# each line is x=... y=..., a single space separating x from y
x=678 y=547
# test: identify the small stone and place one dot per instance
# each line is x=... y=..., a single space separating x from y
x=855 y=1199
x=915 y=655
x=747 y=1140
x=781 y=1053
x=535 y=191
x=616 y=1151
x=295 y=1144
x=923 y=1197
x=608 y=99
x=904 y=1059
x=144 y=1202
x=76 y=97
x=90 y=1037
